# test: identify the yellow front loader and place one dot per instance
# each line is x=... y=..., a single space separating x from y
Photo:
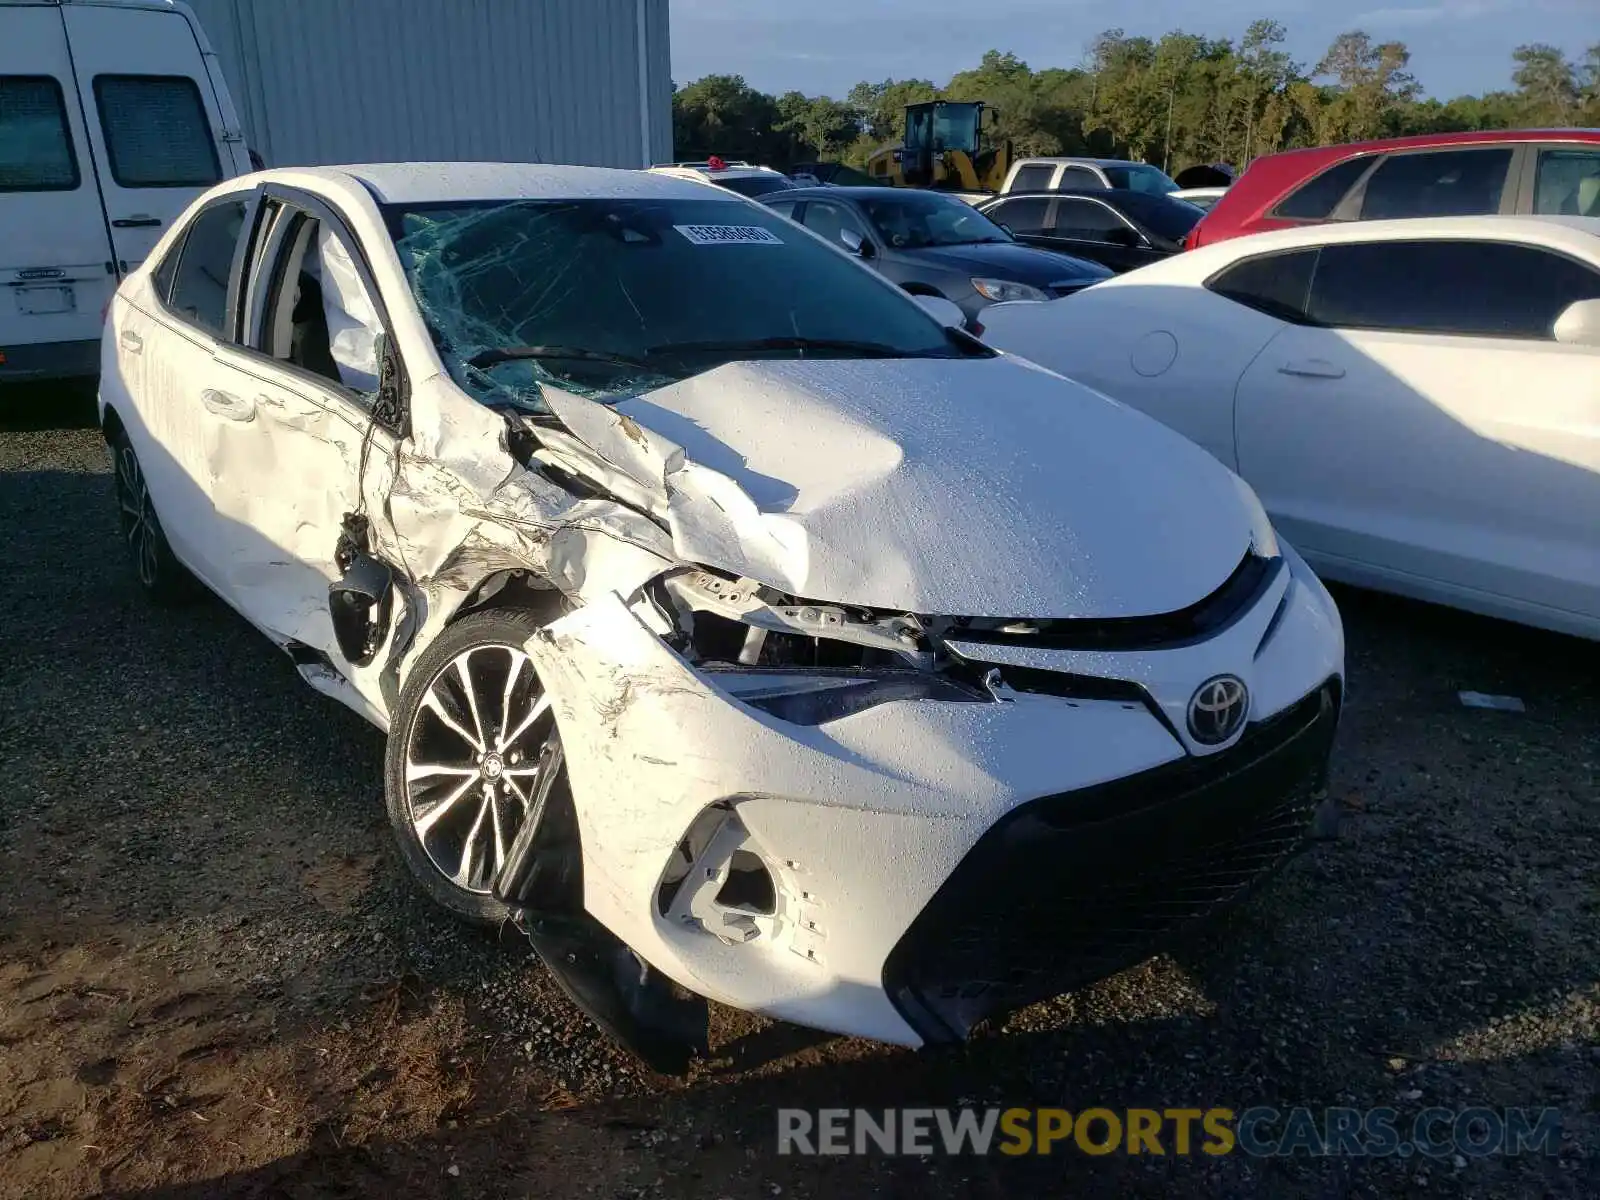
x=943 y=149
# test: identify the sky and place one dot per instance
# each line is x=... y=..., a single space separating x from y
x=826 y=46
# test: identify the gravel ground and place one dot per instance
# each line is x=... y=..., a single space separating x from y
x=215 y=979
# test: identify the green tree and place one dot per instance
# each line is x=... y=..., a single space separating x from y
x=1372 y=84
x=1546 y=83
x=1179 y=100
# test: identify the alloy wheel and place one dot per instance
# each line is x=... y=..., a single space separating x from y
x=138 y=516
x=473 y=761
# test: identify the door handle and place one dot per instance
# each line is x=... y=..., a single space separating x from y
x=1312 y=368
x=228 y=406
x=136 y=222
x=131 y=341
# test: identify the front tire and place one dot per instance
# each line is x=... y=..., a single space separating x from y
x=463 y=758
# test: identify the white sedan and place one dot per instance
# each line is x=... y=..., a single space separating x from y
x=1416 y=402
x=738 y=629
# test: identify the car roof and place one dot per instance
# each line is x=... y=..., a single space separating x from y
x=1423 y=140
x=859 y=191
x=1080 y=160
x=702 y=171
x=1575 y=234
x=440 y=182
x=1126 y=198
x=1269 y=179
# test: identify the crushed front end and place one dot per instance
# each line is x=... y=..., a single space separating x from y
x=897 y=826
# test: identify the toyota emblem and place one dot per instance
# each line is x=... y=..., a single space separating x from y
x=1218 y=709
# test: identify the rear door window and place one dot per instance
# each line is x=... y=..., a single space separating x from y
x=1275 y=284
x=1316 y=199
x=1568 y=183
x=1089 y=221
x=200 y=285
x=1079 y=179
x=1479 y=289
x=1443 y=183
x=1033 y=179
x=36 y=153
x=156 y=131
x=1021 y=216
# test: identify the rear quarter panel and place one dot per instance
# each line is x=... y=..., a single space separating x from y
x=1172 y=350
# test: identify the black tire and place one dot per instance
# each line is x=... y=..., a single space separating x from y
x=433 y=730
x=156 y=569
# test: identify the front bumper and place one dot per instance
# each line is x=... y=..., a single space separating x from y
x=929 y=857
x=1071 y=888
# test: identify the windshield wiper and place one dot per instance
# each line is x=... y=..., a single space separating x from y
x=490 y=358
x=866 y=349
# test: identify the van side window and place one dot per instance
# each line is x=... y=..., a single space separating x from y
x=200 y=289
x=35 y=145
x=156 y=130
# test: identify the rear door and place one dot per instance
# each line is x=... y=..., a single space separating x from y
x=166 y=356
x=154 y=125
x=1464 y=181
x=1091 y=229
x=54 y=247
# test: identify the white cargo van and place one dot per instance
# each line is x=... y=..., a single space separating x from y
x=113 y=116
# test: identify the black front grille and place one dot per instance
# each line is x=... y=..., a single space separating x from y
x=1238 y=594
x=1071 y=888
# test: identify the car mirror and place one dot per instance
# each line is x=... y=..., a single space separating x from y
x=855 y=243
x=946 y=312
x=1579 y=324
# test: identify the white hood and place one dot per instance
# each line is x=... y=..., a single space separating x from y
x=971 y=487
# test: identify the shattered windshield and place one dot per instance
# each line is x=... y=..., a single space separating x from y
x=608 y=298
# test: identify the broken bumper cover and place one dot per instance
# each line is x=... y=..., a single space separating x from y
x=1068 y=889
x=926 y=854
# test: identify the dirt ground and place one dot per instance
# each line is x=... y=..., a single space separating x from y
x=215 y=979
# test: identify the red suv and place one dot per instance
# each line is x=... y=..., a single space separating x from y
x=1554 y=171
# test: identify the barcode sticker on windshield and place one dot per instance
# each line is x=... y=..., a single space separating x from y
x=729 y=235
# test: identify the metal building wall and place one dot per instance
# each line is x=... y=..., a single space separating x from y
x=325 y=81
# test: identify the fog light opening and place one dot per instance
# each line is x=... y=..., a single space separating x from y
x=748 y=885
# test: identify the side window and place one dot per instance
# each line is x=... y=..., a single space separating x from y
x=1568 y=183
x=1089 y=221
x=36 y=153
x=161 y=281
x=1079 y=179
x=1035 y=178
x=1021 y=216
x=1316 y=199
x=784 y=208
x=320 y=316
x=830 y=221
x=156 y=130
x=1444 y=183
x=1482 y=289
x=1275 y=284
x=200 y=286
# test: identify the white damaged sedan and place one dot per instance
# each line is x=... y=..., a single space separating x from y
x=738 y=629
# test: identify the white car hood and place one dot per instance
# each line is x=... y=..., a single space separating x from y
x=969 y=487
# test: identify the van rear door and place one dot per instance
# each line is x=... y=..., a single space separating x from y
x=55 y=273
x=154 y=126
